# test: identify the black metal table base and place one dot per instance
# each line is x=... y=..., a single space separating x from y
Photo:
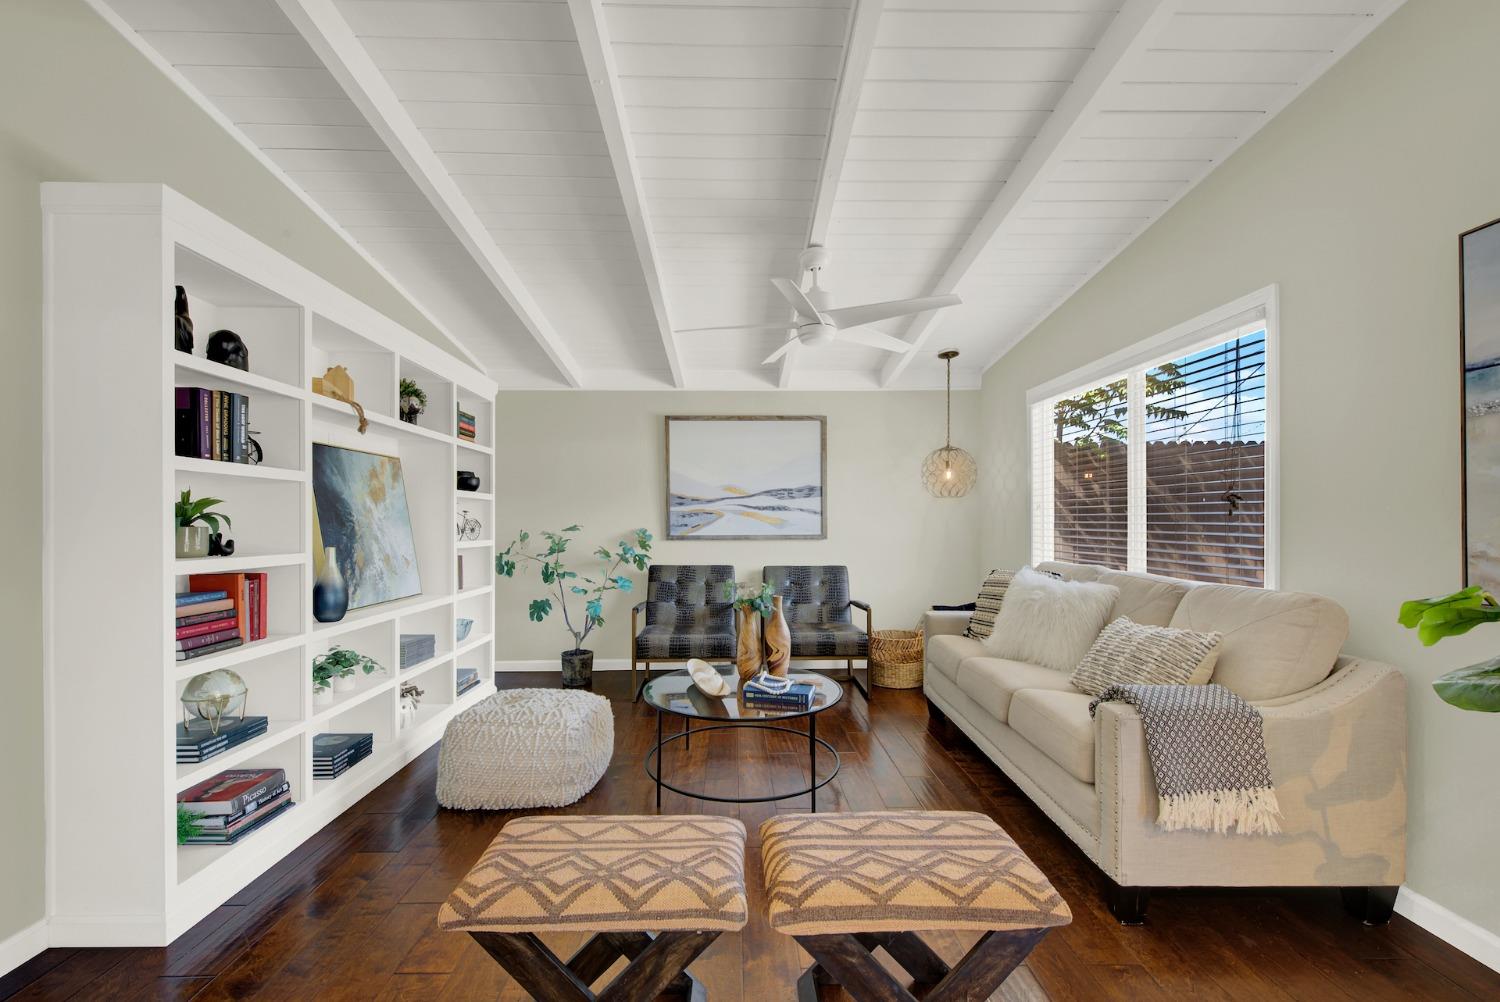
x=654 y=756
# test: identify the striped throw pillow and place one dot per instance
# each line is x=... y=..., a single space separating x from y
x=1128 y=653
x=987 y=605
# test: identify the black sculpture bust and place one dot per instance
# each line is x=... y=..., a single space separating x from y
x=227 y=348
x=184 y=322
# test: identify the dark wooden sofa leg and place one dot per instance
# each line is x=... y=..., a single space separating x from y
x=1371 y=905
x=1128 y=904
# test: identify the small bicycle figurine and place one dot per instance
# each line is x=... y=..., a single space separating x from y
x=468 y=526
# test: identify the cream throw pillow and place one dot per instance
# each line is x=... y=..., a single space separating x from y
x=1128 y=653
x=1048 y=622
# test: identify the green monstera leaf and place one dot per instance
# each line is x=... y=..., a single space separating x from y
x=1476 y=687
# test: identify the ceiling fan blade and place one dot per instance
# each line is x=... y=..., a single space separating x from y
x=798 y=299
x=790 y=344
x=756 y=328
x=856 y=316
x=875 y=339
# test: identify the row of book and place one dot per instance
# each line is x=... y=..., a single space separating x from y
x=466 y=425
x=212 y=424
x=220 y=611
x=235 y=803
x=200 y=741
x=336 y=754
x=468 y=678
x=416 y=648
x=776 y=693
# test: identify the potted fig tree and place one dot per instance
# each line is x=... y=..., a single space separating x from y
x=1476 y=687
x=565 y=586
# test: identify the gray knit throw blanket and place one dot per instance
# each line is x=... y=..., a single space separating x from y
x=1208 y=755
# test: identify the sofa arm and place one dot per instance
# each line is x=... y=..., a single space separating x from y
x=940 y=624
x=1338 y=759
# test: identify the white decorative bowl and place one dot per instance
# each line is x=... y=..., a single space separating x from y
x=709 y=681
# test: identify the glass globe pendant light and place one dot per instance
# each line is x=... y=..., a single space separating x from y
x=949 y=472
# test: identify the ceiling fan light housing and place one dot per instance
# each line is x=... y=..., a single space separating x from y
x=949 y=472
x=816 y=333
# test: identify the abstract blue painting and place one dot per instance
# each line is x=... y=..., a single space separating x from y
x=746 y=477
x=360 y=509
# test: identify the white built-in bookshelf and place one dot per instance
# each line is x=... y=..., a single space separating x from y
x=113 y=253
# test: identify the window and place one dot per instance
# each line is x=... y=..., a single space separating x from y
x=1164 y=462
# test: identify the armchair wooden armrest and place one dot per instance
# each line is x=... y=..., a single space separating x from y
x=869 y=616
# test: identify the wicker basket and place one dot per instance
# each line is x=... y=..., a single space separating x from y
x=896 y=659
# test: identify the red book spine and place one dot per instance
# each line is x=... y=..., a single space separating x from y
x=199 y=629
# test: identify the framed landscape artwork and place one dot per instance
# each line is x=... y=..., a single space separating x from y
x=359 y=507
x=1479 y=327
x=747 y=478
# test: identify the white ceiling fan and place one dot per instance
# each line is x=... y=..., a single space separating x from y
x=817 y=324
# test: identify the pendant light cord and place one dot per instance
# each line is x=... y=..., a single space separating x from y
x=948 y=418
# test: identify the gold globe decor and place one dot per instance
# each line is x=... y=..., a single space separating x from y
x=949 y=472
x=209 y=698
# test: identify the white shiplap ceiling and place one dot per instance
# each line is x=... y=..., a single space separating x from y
x=563 y=186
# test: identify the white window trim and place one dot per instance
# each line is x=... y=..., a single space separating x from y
x=1130 y=363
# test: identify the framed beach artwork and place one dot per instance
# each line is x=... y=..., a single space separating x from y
x=359 y=508
x=1479 y=345
x=747 y=478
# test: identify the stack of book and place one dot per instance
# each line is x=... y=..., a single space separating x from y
x=207 y=622
x=200 y=742
x=335 y=754
x=468 y=678
x=417 y=647
x=212 y=424
x=235 y=803
x=775 y=693
x=466 y=425
x=247 y=591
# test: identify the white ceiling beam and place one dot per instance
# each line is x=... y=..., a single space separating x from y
x=1136 y=23
x=325 y=30
x=599 y=62
x=864 y=20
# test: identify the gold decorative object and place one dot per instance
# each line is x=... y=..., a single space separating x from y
x=339 y=385
x=949 y=472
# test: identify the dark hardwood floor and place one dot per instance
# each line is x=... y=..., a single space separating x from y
x=351 y=914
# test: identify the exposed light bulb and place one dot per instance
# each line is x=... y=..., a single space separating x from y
x=948 y=473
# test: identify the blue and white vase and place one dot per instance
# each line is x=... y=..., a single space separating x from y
x=330 y=596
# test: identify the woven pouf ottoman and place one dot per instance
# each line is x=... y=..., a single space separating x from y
x=846 y=885
x=658 y=890
x=525 y=748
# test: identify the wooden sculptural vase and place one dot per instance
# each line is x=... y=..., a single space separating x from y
x=778 y=640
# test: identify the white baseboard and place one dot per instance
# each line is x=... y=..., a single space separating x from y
x=1453 y=929
x=20 y=947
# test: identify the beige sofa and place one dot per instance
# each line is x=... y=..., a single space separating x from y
x=1335 y=729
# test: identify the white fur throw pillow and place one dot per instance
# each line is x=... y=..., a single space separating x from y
x=1048 y=622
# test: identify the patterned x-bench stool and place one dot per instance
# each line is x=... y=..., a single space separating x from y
x=657 y=890
x=845 y=885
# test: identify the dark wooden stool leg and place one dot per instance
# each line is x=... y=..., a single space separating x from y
x=912 y=953
x=848 y=960
x=658 y=966
x=595 y=957
x=535 y=968
x=986 y=966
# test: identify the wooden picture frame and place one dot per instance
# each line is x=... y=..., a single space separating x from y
x=1479 y=402
x=726 y=457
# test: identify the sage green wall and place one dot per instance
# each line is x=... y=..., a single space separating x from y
x=597 y=459
x=81 y=104
x=1351 y=200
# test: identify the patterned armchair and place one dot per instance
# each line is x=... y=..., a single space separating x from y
x=688 y=615
x=816 y=603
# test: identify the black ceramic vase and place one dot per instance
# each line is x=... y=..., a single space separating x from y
x=184 y=322
x=226 y=348
x=467 y=480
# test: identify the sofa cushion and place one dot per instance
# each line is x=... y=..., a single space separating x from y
x=946 y=653
x=1060 y=726
x=991 y=682
x=1275 y=642
x=1050 y=622
x=1146 y=599
x=1070 y=572
x=1128 y=653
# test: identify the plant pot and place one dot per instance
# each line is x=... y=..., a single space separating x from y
x=577 y=669
x=778 y=640
x=330 y=596
x=410 y=410
x=192 y=540
x=747 y=653
x=345 y=683
x=322 y=696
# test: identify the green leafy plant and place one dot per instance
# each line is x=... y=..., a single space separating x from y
x=564 y=583
x=341 y=662
x=187 y=824
x=411 y=391
x=189 y=509
x=746 y=597
x=1100 y=415
x=1475 y=687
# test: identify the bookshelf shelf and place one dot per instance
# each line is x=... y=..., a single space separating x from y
x=471 y=592
x=472 y=643
x=113 y=254
x=476 y=544
x=475 y=495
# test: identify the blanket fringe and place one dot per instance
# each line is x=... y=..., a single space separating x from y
x=1250 y=812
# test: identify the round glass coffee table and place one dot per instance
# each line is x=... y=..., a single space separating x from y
x=674 y=693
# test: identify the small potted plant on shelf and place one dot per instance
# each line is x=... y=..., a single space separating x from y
x=413 y=400
x=752 y=604
x=578 y=663
x=195 y=521
x=187 y=824
x=336 y=671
